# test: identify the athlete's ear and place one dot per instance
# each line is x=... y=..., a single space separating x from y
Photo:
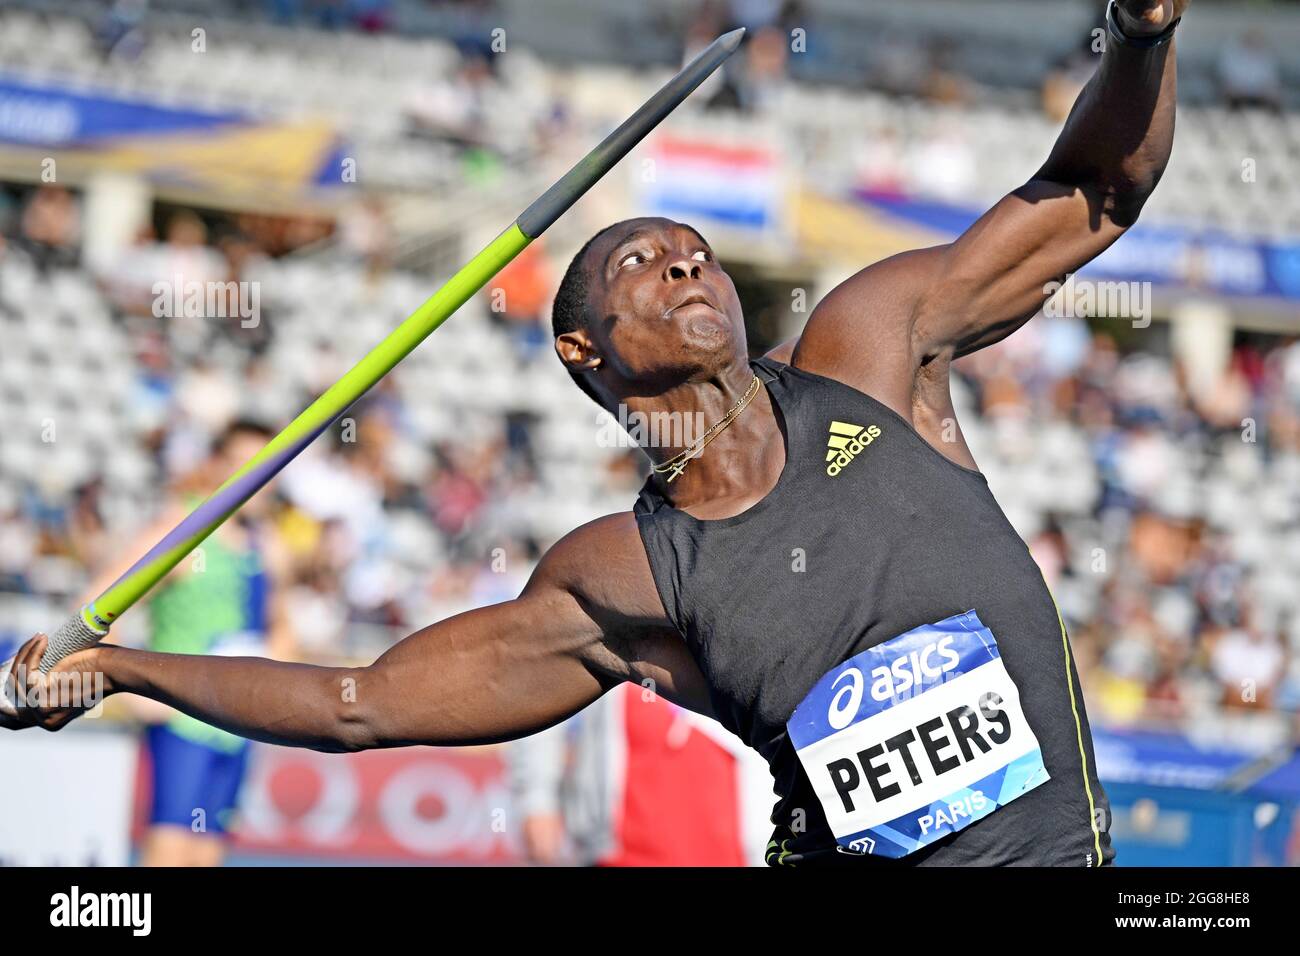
x=576 y=351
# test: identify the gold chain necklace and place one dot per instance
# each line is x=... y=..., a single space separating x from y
x=677 y=464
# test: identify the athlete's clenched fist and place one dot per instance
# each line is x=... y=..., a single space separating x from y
x=73 y=686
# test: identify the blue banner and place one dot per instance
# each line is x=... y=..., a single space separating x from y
x=200 y=150
x=49 y=117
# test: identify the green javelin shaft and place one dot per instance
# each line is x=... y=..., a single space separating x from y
x=94 y=620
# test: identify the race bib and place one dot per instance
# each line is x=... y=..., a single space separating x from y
x=916 y=738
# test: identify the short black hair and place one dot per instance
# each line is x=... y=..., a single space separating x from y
x=569 y=310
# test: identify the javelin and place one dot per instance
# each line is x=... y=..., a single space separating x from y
x=92 y=622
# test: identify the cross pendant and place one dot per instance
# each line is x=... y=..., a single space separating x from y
x=677 y=469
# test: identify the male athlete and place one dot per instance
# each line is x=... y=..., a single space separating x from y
x=821 y=571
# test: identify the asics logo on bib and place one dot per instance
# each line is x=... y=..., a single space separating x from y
x=846 y=442
x=890 y=681
x=911 y=670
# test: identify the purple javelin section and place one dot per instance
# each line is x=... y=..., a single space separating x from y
x=224 y=502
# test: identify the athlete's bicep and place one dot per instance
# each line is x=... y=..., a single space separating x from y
x=488 y=675
x=1000 y=271
x=588 y=619
x=863 y=334
x=878 y=327
x=860 y=332
x=604 y=565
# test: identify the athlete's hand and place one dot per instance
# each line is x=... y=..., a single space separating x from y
x=73 y=686
x=1149 y=17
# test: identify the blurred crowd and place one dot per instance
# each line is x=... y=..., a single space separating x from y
x=1163 y=511
x=391 y=520
x=909 y=110
x=899 y=61
x=788 y=38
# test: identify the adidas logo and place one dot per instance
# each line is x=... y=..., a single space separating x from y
x=846 y=443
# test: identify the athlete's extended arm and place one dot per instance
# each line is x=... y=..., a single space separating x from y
x=486 y=675
x=950 y=300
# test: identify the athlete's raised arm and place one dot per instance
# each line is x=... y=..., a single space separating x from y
x=588 y=619
x=879 y=327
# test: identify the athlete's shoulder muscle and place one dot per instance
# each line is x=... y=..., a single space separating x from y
x=603 y=565
x=861 y=332
x=784 y=352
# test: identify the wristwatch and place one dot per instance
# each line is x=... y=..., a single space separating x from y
x=1142 y=43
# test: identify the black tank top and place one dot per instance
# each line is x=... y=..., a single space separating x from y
x=869 y=533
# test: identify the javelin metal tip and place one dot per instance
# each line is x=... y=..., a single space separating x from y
x=731 y=40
